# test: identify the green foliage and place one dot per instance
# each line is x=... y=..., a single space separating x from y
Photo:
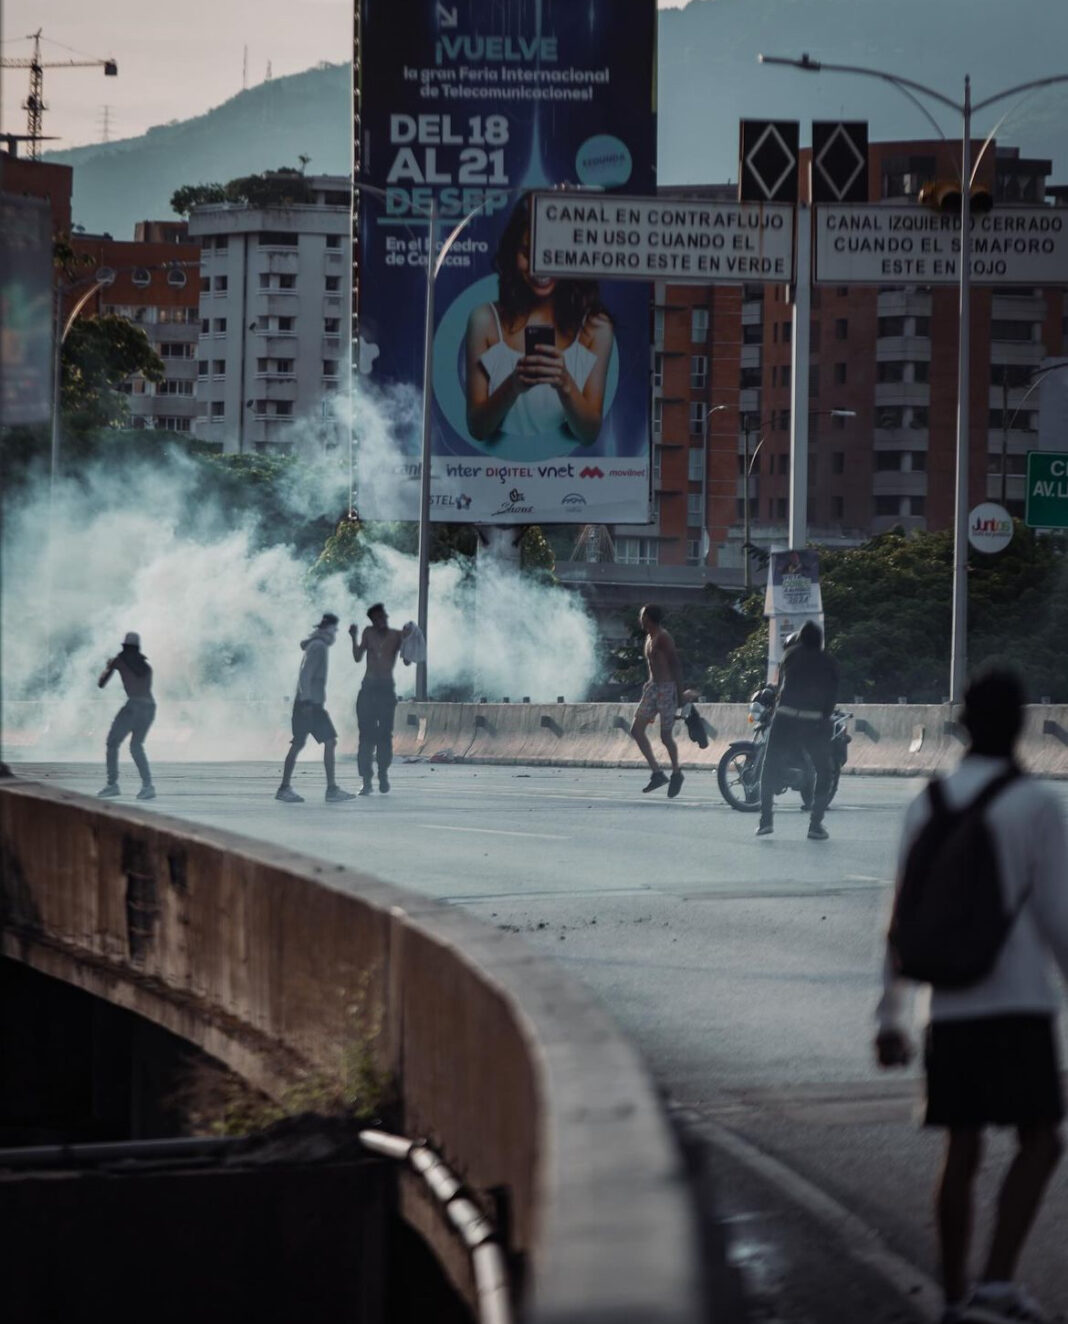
x=343 y=551
x=284 y=187
x=98 y=354
x=888 y=608
x=536 y=556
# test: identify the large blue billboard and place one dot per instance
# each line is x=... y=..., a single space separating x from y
x=541 y=386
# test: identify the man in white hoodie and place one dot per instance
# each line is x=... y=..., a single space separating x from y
x=990 y=1050
x=310 y=717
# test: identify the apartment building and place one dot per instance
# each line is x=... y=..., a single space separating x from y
x=274 y=292
x=882 y=399
x=153 y=285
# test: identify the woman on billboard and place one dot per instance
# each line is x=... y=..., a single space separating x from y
x=537 y=358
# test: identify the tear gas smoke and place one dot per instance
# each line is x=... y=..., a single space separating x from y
x=221 y=605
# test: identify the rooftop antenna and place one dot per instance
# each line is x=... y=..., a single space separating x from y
x=105 y=124
x=244 y=72
x=267 y=76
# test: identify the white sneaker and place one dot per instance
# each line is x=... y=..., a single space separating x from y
x=998 y=1303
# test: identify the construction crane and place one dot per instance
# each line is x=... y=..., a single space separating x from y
x=34 y=104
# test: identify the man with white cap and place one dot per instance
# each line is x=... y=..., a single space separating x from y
x=134 y=718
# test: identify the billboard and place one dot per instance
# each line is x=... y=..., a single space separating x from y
x=881 y=245
x=540 y=385
x=676 y=239
x=25 y=310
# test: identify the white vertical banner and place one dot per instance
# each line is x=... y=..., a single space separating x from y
x=792 y=598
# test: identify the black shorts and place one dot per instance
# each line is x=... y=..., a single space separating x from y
x=993 y=1071
x=312 y=719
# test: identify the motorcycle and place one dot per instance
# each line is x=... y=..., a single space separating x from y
x=742 y=764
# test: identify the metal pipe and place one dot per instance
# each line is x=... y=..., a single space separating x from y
x=959 y=634
x=798 y=528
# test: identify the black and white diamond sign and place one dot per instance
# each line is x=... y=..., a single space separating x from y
x=767 y=169
x=839 y=161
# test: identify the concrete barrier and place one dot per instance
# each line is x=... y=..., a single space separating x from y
x=258 y=956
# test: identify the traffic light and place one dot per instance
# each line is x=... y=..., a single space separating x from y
x=945 y=195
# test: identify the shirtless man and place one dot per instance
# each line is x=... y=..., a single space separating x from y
x=377 y=699
x=660 y=696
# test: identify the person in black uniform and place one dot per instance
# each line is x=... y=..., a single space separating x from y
x=808 y=690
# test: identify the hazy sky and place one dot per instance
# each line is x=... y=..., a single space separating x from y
x=185 y=59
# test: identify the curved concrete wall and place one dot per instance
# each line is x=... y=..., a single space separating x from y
x=258 y=955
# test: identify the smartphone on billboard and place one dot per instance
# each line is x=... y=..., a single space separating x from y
x=536 y=336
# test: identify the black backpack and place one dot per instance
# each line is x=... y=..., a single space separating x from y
x=950 y=920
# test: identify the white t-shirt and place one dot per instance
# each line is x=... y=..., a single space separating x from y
x=1028 y=828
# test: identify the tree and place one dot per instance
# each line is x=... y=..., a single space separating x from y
x=184 y=199
x=284 y=187
x=98 y=355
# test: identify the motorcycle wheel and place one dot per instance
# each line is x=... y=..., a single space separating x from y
x=731 y=773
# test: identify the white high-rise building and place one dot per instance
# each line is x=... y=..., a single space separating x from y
x=274 y=315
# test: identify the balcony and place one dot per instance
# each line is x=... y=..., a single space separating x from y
x=280 y=263
x=278 y=303
x=752 y=312
x=174 y=333
x=902 y=393
x=751 y=356
x=898 y=482
x=1018 y=307
x=912 y=348
x=180 y=370
x=904 y=303
x=1029 y=353
x=279 y=388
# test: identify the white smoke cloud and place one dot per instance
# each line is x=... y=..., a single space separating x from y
x=221 y=614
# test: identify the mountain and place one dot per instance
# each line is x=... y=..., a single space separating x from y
x=708 y=80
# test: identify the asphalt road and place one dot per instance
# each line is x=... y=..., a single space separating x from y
x=745 y=969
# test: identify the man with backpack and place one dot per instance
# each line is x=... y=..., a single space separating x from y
x=980 y=914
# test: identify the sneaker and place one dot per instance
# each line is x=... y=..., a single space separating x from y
x=368 y=787
x=817 y=832
x=655 y=782
x=675 y=785
x=383 y=784
x=999 y=1303
x=110 y=791
x=764 y=830
x=335 y=795
x=288 y=794
x=146 y=793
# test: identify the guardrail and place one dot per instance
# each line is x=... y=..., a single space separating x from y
x=504 y=1065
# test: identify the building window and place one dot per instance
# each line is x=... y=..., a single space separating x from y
x=696 y=465
x=220 y=326
x=175 y=350
x=1022 y=332
x=331 y=326
x=261 y=365
x=695 y=509
x=333 y=241
x=286 y=323
x=919 y=417
x=174 y=424
x=205 y=284
x=887 y=461
x=218 y=409
x=330 y=367
x=202 y=368
x=283 y=408
x=890 y=418
x=698 y=372
x=888 y=505
x=658 y=417
x=837 y=507
x=284 y=367
x=333 y=283
x=218 y=368
x=750 y=379
x=277 y=239
x=697 y=418
x=784 y=420
x=205 y=325
x=636 y=551
x=658 y=371
x=780 y=507
x=170 y=387
x=890 y=372
x=841 y=328
x=787 y=332
x=784 y=462
x=891 y=327
x=658 y=460
x=837 y=462
x=658 y=326
x=221 y=284
x=839 y=374
x=784 y=375
x=693 y=551
x=699 y=325
x=287 y=282
x=753 y=333
x=265 y=280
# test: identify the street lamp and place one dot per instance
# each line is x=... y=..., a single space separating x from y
x=705 y=542
x=747 y=465
x=966 y=108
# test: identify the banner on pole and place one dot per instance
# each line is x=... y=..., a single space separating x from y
x=792 y=598
x=540 y=385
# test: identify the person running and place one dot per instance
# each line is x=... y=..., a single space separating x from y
x=808 y=689
x=133 y=719
x=660 y=698
x=310 y=717
x=377 y=700
x=990 y=1053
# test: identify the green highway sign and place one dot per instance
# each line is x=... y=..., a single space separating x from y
x=1047 y=490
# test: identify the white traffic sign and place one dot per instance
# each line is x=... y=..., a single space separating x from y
x=892 y=244
x=989 y=527
x=684 y=240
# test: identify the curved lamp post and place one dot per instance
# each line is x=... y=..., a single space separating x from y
x=965 y=109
